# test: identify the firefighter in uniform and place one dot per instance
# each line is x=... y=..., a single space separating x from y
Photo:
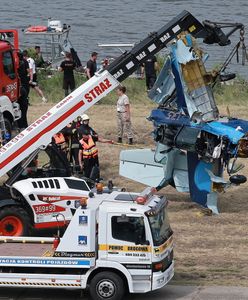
x=85 y=128
x=88 y=156
x=71 y=136
x=89 y=153
x=60 y=141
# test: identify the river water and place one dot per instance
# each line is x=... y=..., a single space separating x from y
x=121 y=21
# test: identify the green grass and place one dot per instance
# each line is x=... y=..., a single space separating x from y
x=235 y=94
x=136 y=91
x=51 y=84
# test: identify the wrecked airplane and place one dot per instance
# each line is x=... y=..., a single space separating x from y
x=195 y=146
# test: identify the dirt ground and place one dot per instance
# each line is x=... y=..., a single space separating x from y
x=208 y=249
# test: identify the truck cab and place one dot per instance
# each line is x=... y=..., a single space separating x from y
x=126 y=234
x=136 y=234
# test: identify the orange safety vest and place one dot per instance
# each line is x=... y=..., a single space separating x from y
x=89 y=149
x=59 y=138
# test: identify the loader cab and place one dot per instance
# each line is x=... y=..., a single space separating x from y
x=49 y=162
x=8 y=72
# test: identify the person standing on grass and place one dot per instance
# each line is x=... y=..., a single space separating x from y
x=33 y=78
x=149 y=69
x=38 y=58
x=88 y=156
x=71 y=134
x=91 y=65
x=123 y=115
x=67 y=66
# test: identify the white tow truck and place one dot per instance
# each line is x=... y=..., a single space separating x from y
x=37 y=208
x=115 y=243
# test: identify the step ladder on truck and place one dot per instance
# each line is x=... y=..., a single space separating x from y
x=121 y=241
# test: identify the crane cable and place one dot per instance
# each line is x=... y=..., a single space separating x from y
x=235 y=50
x=241 y=45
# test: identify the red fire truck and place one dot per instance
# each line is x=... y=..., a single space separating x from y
x=9 y=83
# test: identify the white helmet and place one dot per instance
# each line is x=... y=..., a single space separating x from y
x=85 y=117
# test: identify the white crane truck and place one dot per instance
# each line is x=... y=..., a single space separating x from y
x=26 y=204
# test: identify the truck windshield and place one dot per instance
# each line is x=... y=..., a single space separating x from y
x=160 y=226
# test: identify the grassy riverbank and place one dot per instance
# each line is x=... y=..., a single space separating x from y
x=51 y=85
x=226 y=94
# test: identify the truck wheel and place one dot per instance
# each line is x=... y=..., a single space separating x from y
x=14 y=221
x=107 y=285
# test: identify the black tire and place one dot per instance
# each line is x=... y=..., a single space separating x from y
x=107 y=285
x=14 y=221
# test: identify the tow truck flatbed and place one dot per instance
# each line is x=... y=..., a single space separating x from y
x=24 y=249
